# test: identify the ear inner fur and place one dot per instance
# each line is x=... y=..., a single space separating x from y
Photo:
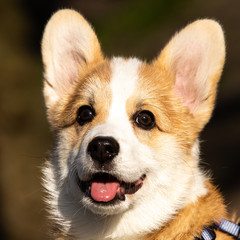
x=194 y=59
x=69 y=44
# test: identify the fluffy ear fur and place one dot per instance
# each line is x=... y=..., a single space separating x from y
x=69 y=44
x=194 y=59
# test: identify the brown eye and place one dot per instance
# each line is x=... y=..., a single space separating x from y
x=85 y=114
x=145 y=119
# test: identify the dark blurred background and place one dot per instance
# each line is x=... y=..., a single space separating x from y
x=125 y=27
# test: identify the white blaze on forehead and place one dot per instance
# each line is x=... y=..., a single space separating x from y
x=123 y=84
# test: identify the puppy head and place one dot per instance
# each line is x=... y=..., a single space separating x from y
x=127 y=130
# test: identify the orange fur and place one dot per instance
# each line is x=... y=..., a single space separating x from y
x=181 y=110
x=95 y=79
x=191 y=220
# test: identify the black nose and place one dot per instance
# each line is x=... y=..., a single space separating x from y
x=103 y=149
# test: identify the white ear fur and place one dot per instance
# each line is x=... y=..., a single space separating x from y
x=68 y=45
x=195 y=58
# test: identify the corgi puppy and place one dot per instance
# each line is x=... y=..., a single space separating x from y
x=126 y=160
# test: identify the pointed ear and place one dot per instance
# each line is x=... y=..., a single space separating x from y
x=194 y=59
x=69 y=44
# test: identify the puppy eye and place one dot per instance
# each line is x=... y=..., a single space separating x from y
x=85 y=114
x=145 y=119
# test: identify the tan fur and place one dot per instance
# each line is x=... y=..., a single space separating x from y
x=163 y=102
x=191 y=220
x=95 y=79
x=179 y=113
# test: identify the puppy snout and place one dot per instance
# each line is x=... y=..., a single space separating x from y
x=103 y=149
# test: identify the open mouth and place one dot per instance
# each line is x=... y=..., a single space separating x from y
x=105 y=188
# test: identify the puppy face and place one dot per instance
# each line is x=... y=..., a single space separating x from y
x=127 y=131
x=121 y=155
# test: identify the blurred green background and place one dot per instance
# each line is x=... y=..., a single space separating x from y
x=125 y=27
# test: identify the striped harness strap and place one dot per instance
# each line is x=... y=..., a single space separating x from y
x=225 y=226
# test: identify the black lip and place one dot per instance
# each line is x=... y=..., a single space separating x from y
x=129 y=188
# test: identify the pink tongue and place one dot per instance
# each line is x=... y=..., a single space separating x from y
x=104 y=191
